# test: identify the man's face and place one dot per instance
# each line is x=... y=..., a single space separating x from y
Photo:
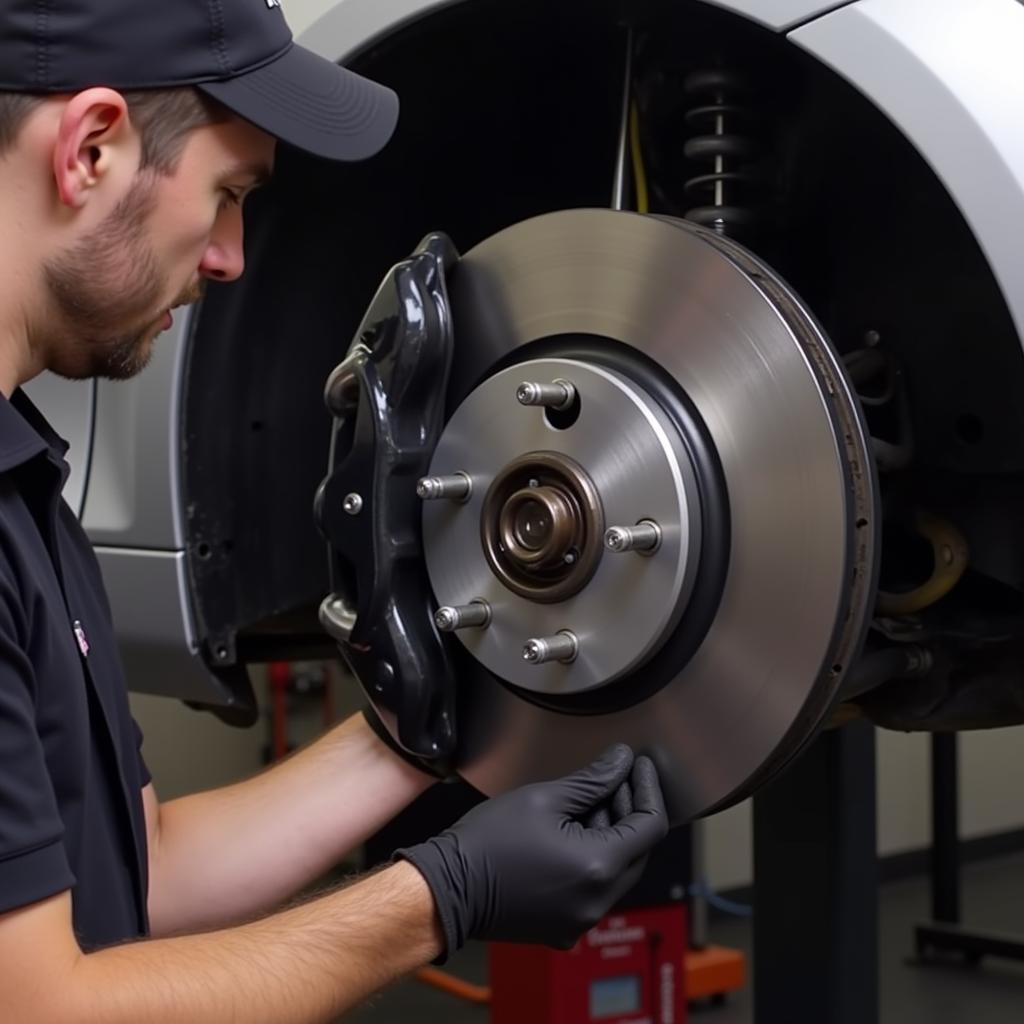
x=113 y=291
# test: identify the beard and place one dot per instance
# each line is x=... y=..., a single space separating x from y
x=105 y=292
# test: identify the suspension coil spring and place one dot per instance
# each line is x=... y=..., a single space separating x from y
x=719 y=116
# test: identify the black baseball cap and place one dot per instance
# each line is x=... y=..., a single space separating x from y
x=239 y=52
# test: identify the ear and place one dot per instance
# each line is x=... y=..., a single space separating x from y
x=92 y=128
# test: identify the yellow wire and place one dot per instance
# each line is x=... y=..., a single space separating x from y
x=643 y=203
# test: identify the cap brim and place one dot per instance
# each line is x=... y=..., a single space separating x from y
x=312 y=104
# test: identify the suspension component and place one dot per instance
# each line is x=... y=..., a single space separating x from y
x=563 y=647
x=717 y=117
x=951 y=559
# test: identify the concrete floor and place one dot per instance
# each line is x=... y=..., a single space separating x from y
x=991 y=994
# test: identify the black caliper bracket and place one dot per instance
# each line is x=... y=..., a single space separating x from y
x=388 y=402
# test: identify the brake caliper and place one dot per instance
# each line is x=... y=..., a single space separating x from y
x=388 y=402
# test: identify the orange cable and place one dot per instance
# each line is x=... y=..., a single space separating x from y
x=454 y=986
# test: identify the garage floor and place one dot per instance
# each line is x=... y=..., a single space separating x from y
x=993 y=994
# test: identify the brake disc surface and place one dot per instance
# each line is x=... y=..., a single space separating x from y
x=721 y=653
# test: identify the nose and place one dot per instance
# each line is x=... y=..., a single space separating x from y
x=224 y=258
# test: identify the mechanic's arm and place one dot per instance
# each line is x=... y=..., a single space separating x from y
x=524 y=867
x=302 y=966
x=221 y=857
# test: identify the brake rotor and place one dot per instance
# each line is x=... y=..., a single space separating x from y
x=708 y=407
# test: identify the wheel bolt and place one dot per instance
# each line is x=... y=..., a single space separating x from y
x=644 y=538
x=558 y=395
x=353 y=504
x=457 y=487
x=563 y=647
x=475 y=615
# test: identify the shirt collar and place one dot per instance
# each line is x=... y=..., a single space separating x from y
x=25 y=433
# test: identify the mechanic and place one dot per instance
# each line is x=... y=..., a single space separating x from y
x=130 y=135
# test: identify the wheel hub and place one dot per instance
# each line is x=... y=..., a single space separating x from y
x=541 y=527
x=530 y=541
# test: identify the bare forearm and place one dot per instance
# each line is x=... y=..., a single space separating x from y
x=223 y=856
x=302 y=966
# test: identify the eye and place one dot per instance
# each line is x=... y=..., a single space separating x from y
x=232 y=197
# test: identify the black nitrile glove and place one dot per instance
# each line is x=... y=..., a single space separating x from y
x=524 y=867
x=621 y=806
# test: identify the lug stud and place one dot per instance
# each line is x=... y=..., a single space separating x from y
x=475 y=615
x=457 y=487
x=558 y=395
x=644 y=538
x=563 y=647
x=353 y=504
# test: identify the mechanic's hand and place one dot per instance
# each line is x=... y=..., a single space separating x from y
x=524 y=867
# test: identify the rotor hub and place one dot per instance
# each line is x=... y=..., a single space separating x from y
x=530 y=541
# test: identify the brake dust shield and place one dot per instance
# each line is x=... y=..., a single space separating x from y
x=707 y=402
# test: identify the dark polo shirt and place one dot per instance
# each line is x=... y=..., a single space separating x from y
x=71 y=775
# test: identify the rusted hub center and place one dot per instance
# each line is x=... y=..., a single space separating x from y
x=542 y=527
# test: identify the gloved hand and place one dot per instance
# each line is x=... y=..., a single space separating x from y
x=525 y=867
x=608 y=813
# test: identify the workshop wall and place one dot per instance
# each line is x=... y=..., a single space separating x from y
x=302 y=13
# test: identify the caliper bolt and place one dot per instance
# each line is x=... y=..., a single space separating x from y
x=563 y=647
x=475 y=615
x=457 y=487
x=644 y=538
x=558 y=395
x=353 y=504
